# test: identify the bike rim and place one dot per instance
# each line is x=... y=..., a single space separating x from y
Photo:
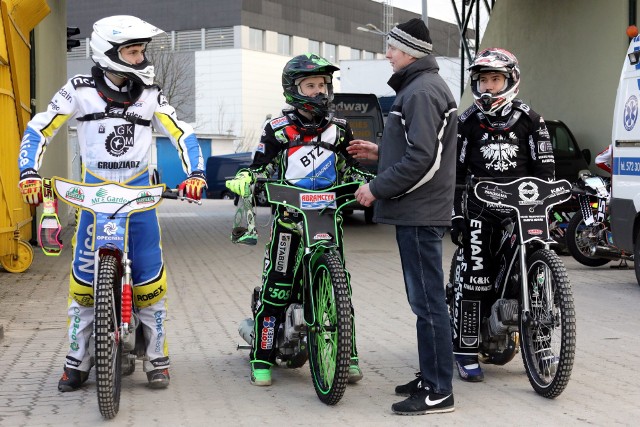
x=545 y=327
x=326 y=333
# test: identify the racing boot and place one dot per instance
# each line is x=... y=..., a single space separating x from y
x=469 y=368
x=158 y=378
x=355 y=373
x=260 y=374
x=72 y=379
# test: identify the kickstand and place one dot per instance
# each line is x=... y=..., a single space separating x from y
x=622 y=266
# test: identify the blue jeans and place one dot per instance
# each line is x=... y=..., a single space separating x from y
x=421 y=256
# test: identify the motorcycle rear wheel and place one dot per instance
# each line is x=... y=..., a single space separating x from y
x=330 y=335
x=579 y=241
x=108 y=346
x=548 y=333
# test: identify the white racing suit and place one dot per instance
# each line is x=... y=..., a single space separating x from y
x=115 y=139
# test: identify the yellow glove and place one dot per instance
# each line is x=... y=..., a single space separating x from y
x=192 y=186
x=30 y=187
x=240 y=184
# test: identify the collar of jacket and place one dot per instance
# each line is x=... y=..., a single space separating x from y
x=403 y=77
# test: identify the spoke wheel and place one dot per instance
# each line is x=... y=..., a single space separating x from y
x=330 y=335
x=580 y=239
x=549 y=331
x=108 y=346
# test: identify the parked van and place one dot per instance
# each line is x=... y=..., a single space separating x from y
x=220 y=168
x=625 y=141
x=363 y=112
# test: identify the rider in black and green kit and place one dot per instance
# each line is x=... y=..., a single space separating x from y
x=307 y=147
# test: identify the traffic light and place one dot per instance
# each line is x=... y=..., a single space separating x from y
x=71 y=43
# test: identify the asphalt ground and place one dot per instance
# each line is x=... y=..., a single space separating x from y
x=210 y=285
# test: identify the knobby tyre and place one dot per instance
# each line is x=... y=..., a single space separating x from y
x=579 y=239
x=548 y=333
x=330 y=336
x=108 y=346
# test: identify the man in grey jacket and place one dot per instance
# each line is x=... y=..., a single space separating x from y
x=414 y=191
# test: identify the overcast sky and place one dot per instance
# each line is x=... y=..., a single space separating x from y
x=439 y=9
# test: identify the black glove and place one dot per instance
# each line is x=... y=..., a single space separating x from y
x=458 y=231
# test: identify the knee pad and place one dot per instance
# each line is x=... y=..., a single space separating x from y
x=81 y=292
x=151 y=293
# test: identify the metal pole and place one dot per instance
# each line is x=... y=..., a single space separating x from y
x=425 y=15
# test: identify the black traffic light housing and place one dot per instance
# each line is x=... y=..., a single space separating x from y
x=71 y=43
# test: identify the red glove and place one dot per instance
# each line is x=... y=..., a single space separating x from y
x=192 y=186
x=30 y=187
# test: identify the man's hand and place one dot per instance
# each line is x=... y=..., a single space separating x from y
x=458 y=231
x=30 y=187
x=361 y=149
x=364 y=196
x=192 y=186
x=240 y=184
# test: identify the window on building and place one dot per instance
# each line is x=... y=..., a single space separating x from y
x=256 y=39
x=314 y=47
x=355 y=54
x=330 y=53
x=367 y=55
x=284 y=44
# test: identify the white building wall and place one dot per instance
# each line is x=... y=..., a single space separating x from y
x=237 y=88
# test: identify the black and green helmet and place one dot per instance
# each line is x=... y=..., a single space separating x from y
x=301 y=67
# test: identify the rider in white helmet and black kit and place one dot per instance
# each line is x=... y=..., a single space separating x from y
x=116 y=107
x=498 y=136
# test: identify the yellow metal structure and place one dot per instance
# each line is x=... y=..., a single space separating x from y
x=19 y=17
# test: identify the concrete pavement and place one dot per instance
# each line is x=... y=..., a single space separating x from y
x=210 y=284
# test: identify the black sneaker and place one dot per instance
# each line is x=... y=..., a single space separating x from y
x=72 y=379
x=158 y=378
x=423 y=402
x=411 y=387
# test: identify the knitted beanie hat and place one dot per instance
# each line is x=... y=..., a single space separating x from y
x=412 y=38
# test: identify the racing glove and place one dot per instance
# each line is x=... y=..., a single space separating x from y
x=30 y=187
x=458 y=231
x=355 y=175
x=241 y=183
x=192 y=186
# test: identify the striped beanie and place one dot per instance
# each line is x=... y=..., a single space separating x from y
x=412 y=38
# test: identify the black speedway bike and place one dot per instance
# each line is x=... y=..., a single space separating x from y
x=317 y=326
x=117 y=335
x=589 y=237
x=534 y=309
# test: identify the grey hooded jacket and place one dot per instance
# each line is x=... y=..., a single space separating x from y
x=416 y=169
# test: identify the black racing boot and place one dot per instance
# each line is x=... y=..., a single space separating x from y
x=72 y=379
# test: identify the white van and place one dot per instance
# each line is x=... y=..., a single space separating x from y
x=625 y=194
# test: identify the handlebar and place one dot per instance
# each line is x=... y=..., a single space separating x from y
x=172 y=193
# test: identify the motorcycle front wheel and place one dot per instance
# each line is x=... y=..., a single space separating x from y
x=580 y=238
x=548 y=331
x=330 y=335
x=108 y=346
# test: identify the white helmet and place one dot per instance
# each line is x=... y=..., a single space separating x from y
x=115 y=32
x=495 y=60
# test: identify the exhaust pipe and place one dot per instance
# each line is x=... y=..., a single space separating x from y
x=610 y=252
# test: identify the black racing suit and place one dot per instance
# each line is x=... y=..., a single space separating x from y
x=513 y=143
x=308 y=155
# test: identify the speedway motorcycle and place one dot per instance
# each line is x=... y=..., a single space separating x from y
x=317 y=326
x=589 y=238
x=533 y=309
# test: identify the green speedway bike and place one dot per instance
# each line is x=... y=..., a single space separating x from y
x=317 y=327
